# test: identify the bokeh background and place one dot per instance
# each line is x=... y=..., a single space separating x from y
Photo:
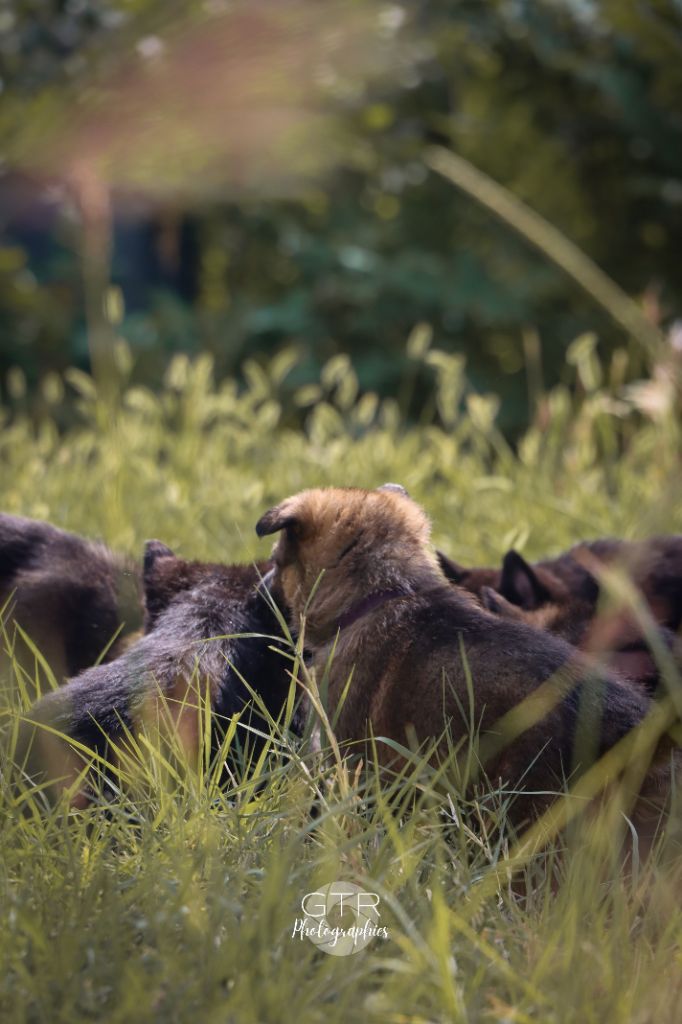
x=241 y=178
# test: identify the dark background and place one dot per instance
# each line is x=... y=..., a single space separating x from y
x=573 y=106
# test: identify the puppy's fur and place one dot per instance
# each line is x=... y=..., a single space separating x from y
x=358 y=565
x=194 y=611
x=71 y=596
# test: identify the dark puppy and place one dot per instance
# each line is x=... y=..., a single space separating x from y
x=654 y=566
x=564 y=596
x=192 y=650
x=406 y=640
x=71 y=596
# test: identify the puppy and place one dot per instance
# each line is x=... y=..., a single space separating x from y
x=654 y=566
x=74 y=598
x=563 y=595
x=358 y=566
x=194 y=614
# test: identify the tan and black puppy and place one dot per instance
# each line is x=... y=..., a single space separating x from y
x=564 y=596
x=553 y=581
x=211 y=632
x=74 y=598
x=653 y=565
x=359 y=566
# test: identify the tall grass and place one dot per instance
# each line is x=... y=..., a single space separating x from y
x=176 y=900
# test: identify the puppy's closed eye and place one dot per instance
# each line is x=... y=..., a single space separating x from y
x=348 y=548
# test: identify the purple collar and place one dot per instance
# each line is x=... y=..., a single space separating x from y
x=369 y=604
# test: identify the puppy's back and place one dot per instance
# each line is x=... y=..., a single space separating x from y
x=70 y=595
x=542 y=711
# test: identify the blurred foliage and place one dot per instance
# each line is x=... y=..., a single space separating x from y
x=196 y=461
x=572 y=106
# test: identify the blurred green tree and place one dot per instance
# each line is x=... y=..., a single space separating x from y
x=573 y=106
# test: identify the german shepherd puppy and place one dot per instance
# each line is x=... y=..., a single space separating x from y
x=563 y=596
x=358 y=566
x=75 y=599
x=195 y=613
x=654 y=566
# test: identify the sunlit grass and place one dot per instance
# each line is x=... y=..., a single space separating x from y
x=174 y=898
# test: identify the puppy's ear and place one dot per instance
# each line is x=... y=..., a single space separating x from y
x=498 y=605
x=153 y=550
x=159 y=587
x=396 y=488
x=520 y=584
x=453 y=571
x=275 y=519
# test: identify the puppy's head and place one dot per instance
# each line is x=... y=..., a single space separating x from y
x=168 y=579
x=360 y=541
x=567 y=619
x=164 y=577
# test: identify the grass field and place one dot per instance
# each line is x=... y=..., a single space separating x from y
x=179 y=904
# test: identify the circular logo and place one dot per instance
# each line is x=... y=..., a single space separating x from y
x=341 y=918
